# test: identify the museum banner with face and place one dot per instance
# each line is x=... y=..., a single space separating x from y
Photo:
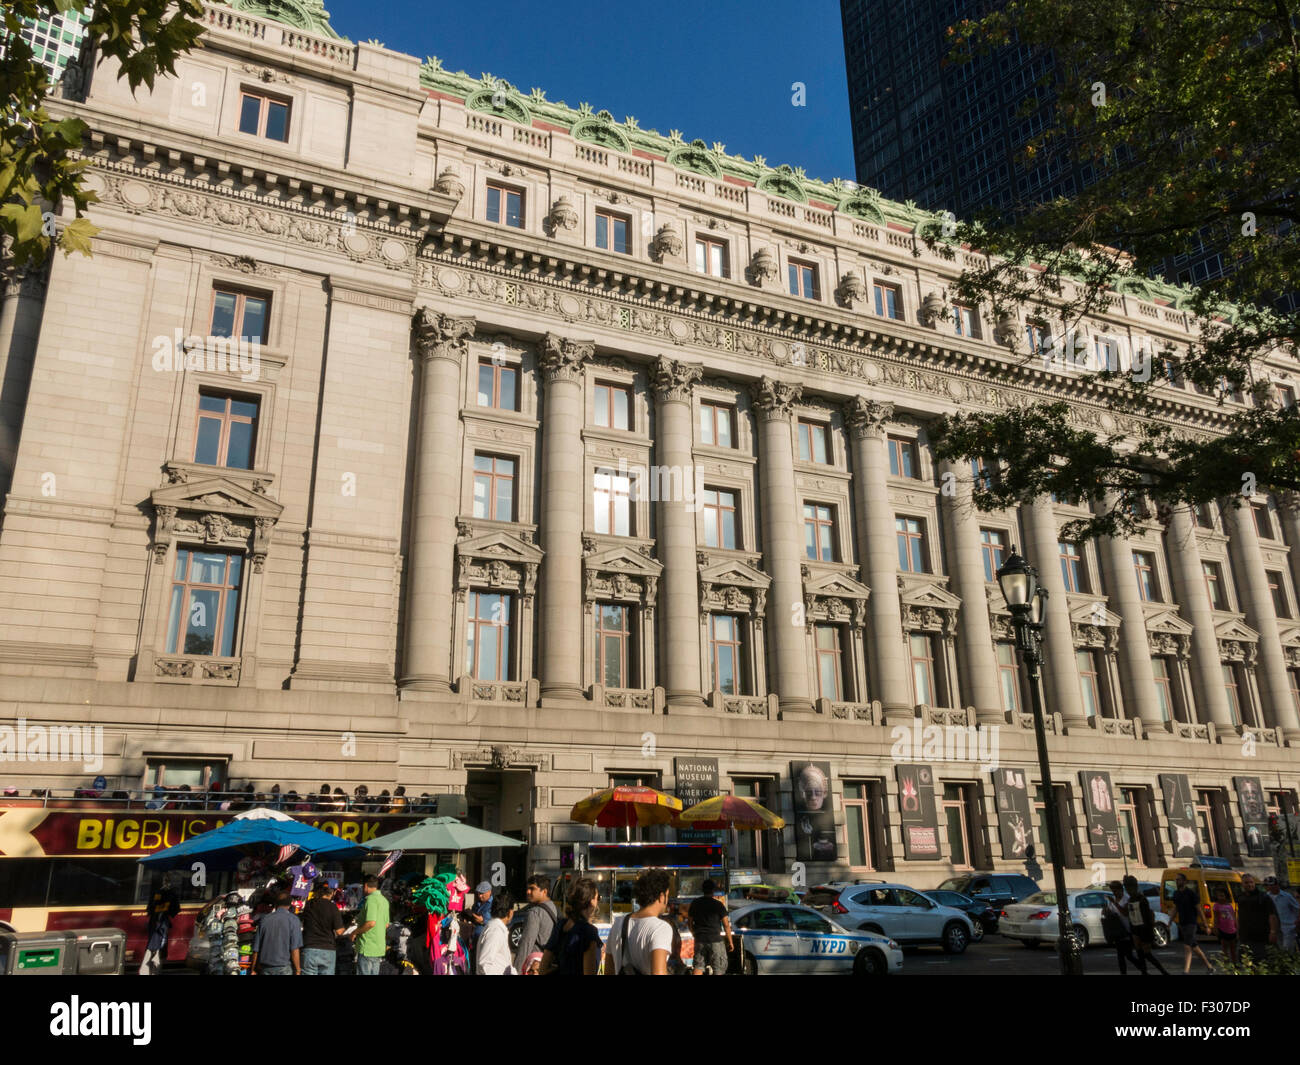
x=917 y=814
x=1181 y=812
x=1015 y=821
x=1254 y=814
x=1099 y=811
x=814 y=817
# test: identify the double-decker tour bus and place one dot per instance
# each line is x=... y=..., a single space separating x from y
x=74 y=863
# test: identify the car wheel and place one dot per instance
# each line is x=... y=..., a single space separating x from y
x=1162 y=936
x=955 y=938
x=870 y=962
x=749 y=967
x=977 y=931
x=1080 y=936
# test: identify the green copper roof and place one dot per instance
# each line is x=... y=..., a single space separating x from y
x=309 y=16
x=498 y=97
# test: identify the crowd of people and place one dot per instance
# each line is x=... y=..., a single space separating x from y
x=216 y=796
x=381 y=937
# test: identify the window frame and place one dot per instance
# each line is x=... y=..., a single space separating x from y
x=894 y=313
x=609 y=408
x=624 y=637
x=610 y=511
x=1074 y=567
x=917 y=541
x=227 y=418
x=1144 y=562
x=1212 y=572
x=990 y=548
x=492 y=477
x=707 y=245
x=718 y=413
x=811 y=432
x=498 y=369
x=264 y=99
x=611 y=218
x=179 y=615
x=737 y=645
x=1095 y=674
x=504 y=191
x=818 y=523
x=242 y=296
x=838 y=657
x=928 y=661
x=903 y=453
x=970 y=320
x=505 y=643
x=719 y=510
x=799 y=271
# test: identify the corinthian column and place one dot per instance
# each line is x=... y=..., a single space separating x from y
x=441 y=344
x=974 y=635
x=1189 y=584
x=782 y=540
x=1062 y=674
x=879 y=540
x=562 y=510
x=1138 y=676
x=1257 y=603
x=679 y=596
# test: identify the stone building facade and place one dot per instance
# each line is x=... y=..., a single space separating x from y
x=406 y=428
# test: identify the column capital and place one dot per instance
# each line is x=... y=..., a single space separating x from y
x=561 y=358
x=673 y=379
x=440 y=336
x=867 y=417
x=775 y=399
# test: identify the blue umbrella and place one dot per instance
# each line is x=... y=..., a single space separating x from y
x=223 y=847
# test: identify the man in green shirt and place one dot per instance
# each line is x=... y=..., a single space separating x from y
x=371 y=936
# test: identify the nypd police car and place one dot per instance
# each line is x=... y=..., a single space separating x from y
x=782 y=938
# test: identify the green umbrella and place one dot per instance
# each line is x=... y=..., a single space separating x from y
x=440 y=834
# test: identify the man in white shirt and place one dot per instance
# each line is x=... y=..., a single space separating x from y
x=649 y=939
x=492 y=956
x=1288 y=911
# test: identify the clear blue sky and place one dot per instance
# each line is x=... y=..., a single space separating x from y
x=717 y=71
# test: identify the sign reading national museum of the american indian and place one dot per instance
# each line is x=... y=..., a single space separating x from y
x=697 y=780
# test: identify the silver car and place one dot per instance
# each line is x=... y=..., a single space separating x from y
x=902 y=913
x=1033 y=920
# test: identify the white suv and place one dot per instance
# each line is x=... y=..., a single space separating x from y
x=895 y=910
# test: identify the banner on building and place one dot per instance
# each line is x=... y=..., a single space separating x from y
x=917 y=815
x=1015 y=819
x=1180 y=810
x=1254 y=814
x=1099 y=812
x=697 y=780
x=814 y=818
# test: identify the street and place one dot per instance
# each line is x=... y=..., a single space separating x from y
x=995 y=956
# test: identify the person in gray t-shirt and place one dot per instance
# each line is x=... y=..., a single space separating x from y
x=278 y=943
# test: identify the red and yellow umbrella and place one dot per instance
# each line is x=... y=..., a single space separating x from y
x=626 y=806
x=729 y=811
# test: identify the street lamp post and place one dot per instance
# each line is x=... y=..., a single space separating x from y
x=1026 y=599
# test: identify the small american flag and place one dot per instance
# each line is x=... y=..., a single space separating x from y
x=389 y=862
x=286 y=852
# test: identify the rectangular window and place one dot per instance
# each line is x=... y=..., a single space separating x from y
x=711 y=257
x=264 y=116
x=717 y=425
x=505 y=206
x=612 y=503
x=725 y=650
x=1009 y=677
x=964 y=319
x=1106 y=352
x=613 y=407
x=497 y=386
x=1038 y=336
x=1285 y=396
x=1073 y=570
x=1207 y=800
x=1277 y=589
x=980 y=475
x=859 y=822
x=612 y=232
x=204 y=603
x=199 y=773
x=912 y=554
x=961 y=845
x=803 y=280
x=1214 y=585
x=1263 y=522
x=1144 y=563
x=758 y=850
x=1040 y=812
x=238 y=315
x=720 y=519
x=1088 y=683
x=993 y=544
x=889 y=300
x=1294 y=675
x=1230 y=686
x=1129 y=813
x=1164 y=690
x=613 y=645
x=830 y=662
x=494 y=488
x=227 y=431
x=819 y=532
x=902 y=457
x=1204 y=516
x=923 y=679
x=488 y=637
x=812 y=443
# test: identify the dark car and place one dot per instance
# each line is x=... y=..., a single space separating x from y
x=993 y=889
x=984 y=915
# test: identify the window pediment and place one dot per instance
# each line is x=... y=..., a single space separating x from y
x=216 y=512
x=496 y=560
x=733 y=586
x=620 y=574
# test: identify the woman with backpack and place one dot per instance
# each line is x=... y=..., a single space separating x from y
x=1143 y=922
x=1115 y=927
x=574 y=949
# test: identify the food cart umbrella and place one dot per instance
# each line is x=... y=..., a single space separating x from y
x=440 y=834
x=262 y=832
x=728 y=811
x=625 y=806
